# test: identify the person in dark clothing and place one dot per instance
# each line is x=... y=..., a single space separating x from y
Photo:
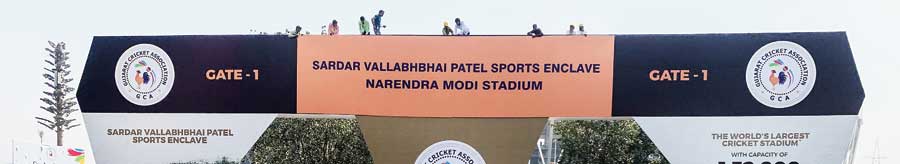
x=376 y=22
x=581 y=30
x=535 y=31
x=571 y=30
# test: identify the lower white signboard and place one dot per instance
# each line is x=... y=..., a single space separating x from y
x=752 y=140
x=173 y=138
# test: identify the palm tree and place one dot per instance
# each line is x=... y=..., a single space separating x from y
x=57 y=104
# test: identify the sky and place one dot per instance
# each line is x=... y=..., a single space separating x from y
x=871 y=25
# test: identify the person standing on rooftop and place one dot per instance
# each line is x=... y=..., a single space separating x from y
x=535 y=31
x=333 y=28
x=571 y=30
x=461 y=28
x=363 y=26
x=376 y=21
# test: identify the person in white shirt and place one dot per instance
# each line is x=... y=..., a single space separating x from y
x=461 y=28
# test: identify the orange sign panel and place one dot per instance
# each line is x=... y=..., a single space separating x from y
x=445 y=76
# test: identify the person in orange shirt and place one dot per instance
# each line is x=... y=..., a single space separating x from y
x=333 y=28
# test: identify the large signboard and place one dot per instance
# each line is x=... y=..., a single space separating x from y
x=770 y=74
x=190 y=74
x=774 y=74
x=501 y=76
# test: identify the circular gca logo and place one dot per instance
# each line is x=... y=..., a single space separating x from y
x=144 y=74
x=449 y=152
x=781 y=74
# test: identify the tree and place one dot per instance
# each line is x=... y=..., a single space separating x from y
x=58 y=104
x=225 y=160
x=605 y=141
x=310 y=141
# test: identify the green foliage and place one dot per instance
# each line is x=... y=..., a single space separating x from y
x=225 y=160
x=339 y=141
x=605 y=142
x=311 y=141
x=58 y=104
